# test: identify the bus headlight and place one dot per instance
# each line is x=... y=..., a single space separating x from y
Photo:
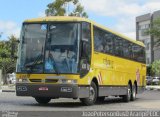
x=22 y=80
x=67 y=81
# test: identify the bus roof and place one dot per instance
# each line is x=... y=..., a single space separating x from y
x=76 y=19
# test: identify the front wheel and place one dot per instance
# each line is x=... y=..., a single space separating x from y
x=92 y=95
x=42 y=100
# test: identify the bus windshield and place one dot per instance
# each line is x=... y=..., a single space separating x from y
x=49 y=48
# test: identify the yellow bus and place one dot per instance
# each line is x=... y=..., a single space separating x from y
x=72 y=57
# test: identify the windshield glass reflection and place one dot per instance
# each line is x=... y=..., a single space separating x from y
x=62 y=48
x=32 y=47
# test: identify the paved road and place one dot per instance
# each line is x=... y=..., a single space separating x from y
x=149 y=100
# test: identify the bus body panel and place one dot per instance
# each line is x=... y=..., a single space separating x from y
x=111 y=72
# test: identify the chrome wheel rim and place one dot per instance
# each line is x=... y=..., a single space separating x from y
x=134 y=93
x=129 y=93
x=91 y=94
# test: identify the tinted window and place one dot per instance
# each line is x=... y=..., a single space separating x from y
x=86 y=35
x=85 y=49
x=127 y=49
x=103 y=41
x=142 y=55
x=138 y=53
x=98 y=40
x=107 y=42
x=86 y=41
x=118 y=46
x=109 y=39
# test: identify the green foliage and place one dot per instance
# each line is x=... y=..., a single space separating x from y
x=58 y=8
x=155 y=31
x=149 y=70
x=156 y=67
x=7 y=63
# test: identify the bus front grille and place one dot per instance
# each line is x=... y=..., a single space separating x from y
x=35 y=80
x=51 y=80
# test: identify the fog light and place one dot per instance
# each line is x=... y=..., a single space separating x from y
x=22 y=80
x=21 y=88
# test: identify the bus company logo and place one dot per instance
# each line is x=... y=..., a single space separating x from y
x=138 y=76
x=100 y=81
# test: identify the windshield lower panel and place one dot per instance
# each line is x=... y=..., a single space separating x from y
x=49 y=48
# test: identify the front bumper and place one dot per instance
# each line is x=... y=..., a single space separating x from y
x=52 y=90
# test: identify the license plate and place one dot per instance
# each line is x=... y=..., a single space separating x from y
x=43 y=89
x=66 y=89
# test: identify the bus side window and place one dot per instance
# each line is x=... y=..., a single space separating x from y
x=98 y=40
x=118 y=46
x=109 y=43
x=127 y=49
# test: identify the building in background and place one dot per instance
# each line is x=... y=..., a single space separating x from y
x=144 y=22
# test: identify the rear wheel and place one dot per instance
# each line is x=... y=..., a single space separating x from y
x=127 y=97
x=42 y=100
x=92 y=95
x=133 y=95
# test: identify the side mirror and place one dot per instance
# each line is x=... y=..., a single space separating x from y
x=84 y=67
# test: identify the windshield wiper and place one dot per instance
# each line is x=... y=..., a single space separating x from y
x=37 y=61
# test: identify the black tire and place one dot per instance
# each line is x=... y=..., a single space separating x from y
x=133 y=95
x=92 y=96
x=100 y=99
x=127 y=97
x=42 y=100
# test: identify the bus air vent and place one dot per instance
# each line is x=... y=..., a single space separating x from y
x=51 y=80
x=35 y=80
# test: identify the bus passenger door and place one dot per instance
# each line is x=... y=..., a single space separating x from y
x=85 y=49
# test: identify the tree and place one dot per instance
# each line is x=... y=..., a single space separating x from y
x=155 y=31
x=156 y=67
x=58 y=8
x=149 y=70
x=7 y=63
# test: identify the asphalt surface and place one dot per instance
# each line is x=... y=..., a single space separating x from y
x=149 y=100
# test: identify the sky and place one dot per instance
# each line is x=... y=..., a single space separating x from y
x=118 y=15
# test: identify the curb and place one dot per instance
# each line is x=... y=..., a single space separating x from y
x=152 y=89
x=8 y=90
